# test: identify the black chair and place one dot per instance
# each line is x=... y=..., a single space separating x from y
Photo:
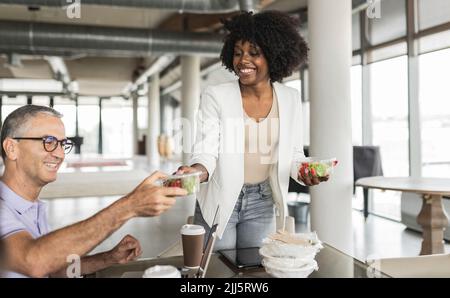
x=366 y=163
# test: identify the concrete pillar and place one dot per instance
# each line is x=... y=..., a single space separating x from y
x=153 y=129
x=329 y=25
x=134 y=98
x=190 y=99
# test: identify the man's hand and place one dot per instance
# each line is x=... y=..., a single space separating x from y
x=125 y=251
x=308 y=179
x=149 y=199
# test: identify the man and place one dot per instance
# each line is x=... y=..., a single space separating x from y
x=33 y=147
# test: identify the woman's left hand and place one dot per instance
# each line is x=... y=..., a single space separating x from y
x=309 y=179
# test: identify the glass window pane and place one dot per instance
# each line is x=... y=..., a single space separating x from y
x=433 y=13
x=305 y=110
x=88 y=100
x=297 y=84
x=433 y=42
x=41 y=100
x=356 y=35
x=88 y=122
x=142 y=113
x=117 y=123
x=389 y=97
x=10 y=104
x=435 y=113
x=391 y=24
x=69 y=114
x=356 y=96
x=393 y=51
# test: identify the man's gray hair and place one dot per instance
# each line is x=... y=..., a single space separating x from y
x=16 y=122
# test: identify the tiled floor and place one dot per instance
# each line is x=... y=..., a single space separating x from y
x=377 y=237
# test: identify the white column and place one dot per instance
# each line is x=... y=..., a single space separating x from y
x=153 y=121
x=190 y=98
x=134 y=98
x=329 y=25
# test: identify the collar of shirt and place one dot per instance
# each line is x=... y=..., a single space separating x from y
x=16 y=202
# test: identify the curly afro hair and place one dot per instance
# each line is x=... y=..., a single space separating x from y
x=275 y=33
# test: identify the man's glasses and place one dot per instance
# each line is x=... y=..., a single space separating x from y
x=51 y=143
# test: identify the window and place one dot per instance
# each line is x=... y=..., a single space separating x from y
x=11 y=104
x=391 y=24
x=142 y=113
x=389 y=97
x=356 y=97
x=41 y=100
x=296 y=84
x=67 y=108
x=435 y=113
x=117 y=123
x=433 y=13
x=88 y=122
x=356 y=32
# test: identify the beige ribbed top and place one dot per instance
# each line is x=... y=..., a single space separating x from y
x=261 y=144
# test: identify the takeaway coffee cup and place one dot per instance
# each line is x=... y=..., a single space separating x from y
x=192 y=237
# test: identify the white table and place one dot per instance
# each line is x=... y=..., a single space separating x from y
x=432 y=216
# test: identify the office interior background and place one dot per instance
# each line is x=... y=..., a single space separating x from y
x=400 y=97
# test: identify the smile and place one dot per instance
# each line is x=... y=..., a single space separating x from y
x=52 y=165
x=246 y=70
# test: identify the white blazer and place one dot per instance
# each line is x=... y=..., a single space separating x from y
x=219 y=147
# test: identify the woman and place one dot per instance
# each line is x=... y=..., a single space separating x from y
x=248 y=131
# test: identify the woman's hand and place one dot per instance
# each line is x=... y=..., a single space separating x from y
x=309 y=179
x=194 y=168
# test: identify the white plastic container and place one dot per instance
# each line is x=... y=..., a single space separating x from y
x=283 y=272
x=287 y=259
x=162 y=271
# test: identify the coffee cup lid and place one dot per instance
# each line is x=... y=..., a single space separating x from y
x=162 y=271
x=192 y=230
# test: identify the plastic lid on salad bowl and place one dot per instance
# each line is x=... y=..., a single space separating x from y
x=189 y=181
x=316 y=167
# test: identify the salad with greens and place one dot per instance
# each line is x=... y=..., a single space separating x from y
x=317 y=168
x=190 y=182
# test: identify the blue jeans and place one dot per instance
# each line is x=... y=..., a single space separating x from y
x=252 y=220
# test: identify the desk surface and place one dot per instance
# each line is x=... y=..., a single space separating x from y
x=332 y=263
x=431 y=186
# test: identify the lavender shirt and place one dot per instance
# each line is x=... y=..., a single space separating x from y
x=17 y=215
